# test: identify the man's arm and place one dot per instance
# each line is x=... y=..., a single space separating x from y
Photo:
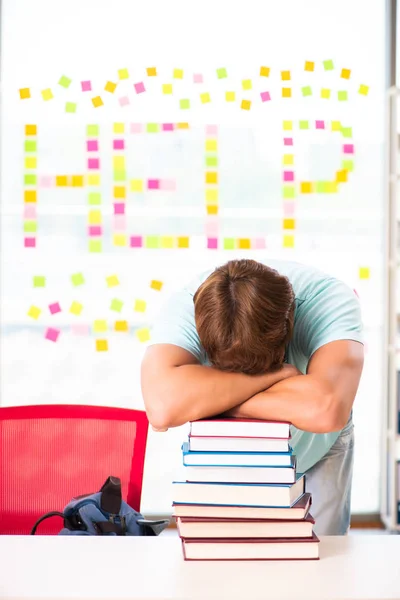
x=177 y=389
x=320 y=401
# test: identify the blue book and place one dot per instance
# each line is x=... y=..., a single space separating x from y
x=236 y=459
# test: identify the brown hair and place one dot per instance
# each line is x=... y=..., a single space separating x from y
x=244 y=314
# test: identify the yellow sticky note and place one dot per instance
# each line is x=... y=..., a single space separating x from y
x=30 y=196
x=119 y=163
x=77 y=181
x=101 y=345
x=140 y=306
x=247 y=84
x=211 y=177
x=94 y=217
x=288 y=159
x=230 y=96
x=121 y=326
x=119 y=191
x=120 y=239
x=167 y=88
x=341 y=176
x=245 y=105
x=212 y=196
x=34 y=312
x=99 y=325
x=212 y=209
x=306 y=187
x=183 y=242
x=156 y=285
x=325 y=93
x=364 y=273
x=336 y=126
x=110 y=87
x=264 y=71
x=363 y=90
x=112 y=281
x=205 y=98
x=167 y=241
x=244 y=244
x=182 y=125
x=123 y=73
x=93 y=180
x=151 y=71
x=178 y=74
x=61 y=180
x=30 y=162
x=30 y=129
x=143 y=334
x=286 y=92
x=76 y=308
x=288 y=241
x=119 y=127
x=345 y=74
x=309 y=66
x=24 y=93
x=287 y=125
x=97 y=101
x=289 y=224
x=211 y=145
x=136 y=185
x=47 y=94
x=285 y=75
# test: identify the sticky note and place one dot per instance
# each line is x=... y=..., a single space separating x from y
x=100 y=325
x=64 y=81
x=95 y=246
x=288 y=241
x=289 y=223
x=211 y=161
x=244 y=244
x=151 y=71
x=328 y=65
x=143 y=334
x=136 y=185
x=152 y=128
x=167 y=241
x=97 y=101
x=306 y=90
x=119 y=163
x=30 y=242
x=30 y=146
x=30 y=195
x=230 y=96
x=116 y=305
x=70 y=107
x=61 y=180
x=136 y=241
x=222 y=73
x=119 y=191
x=287 y=125
x=52 y=334
x=30 y=162
x=112 y=281
x=245 y=105
x=30 y=226
x=304 y=125
x=140 y=306
x=363 y=90
x=121 y=326
x=86 y=86
x=139 y=87
x=119 y=175
x=93 y=163
x=30 y=179
x=92 y=146
x=342 y=96
x=289 y=208
x=212 y=130
x=364 y=273
x=110 y=87
x=94 y=179
x=205 y=98
x=76 y=308
x=197 y=78
x=47 y=94
x=152 y=241
x=34 y=312
x=247 y=84
x=178 y=74
x=347 y=132
x=136 y=128
x=167 y=88
x=319 y=125
x=212 y=243
x=120 y=239
x=288 y=192
x=211 y=145
x=345 y=74
x=54 y=308
x=153 y=184
x=39 y=281
x=265 y=96
x=124 y=101
x=123 y=74
x=288 y=159
x=77 y=279
x=336 y=126
x=92 y=130
x=156 y=285
x=288 y=176
x=288 y=141
x=229 y=244
x=30 y=211
x=341 y=176
x=348 y=165
x=24 y=93
x=325 y=93
x=94 y=217
x=30 y=129
x=77 y=181
x=306 y=187
x=309 y=66
x=285 y=75
x=211 y=177
x=184 y=103
x=101 y=345
x=264 y=71
x=286 y=92
x=183 y=242
x=95 y=230
x=348 y=148
x=211 y=196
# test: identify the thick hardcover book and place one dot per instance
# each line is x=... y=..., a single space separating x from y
x=240 y=428
x=242 y=474
x=237 y=444
x=236 y=459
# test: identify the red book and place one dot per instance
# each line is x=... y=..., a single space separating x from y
x=250 y=428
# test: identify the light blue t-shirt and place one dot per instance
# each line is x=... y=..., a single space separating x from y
x=326 y=310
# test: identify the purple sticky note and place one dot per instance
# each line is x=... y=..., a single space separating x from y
x=288 y=176
x=288 y=141
x=52 y=334
x=46 y=181
x=139 y=87
x=136 y=241
x=258 y=243
x=167 y=126
x=118 y=144
x=124 y=101
x=119 y=208
x=30 y=242
x=348 y=148
x=211 y=130
x=29 y=211
x=198 y=78
x=54 y=308
x=95 y=230
x=92 y=145
x=119 y=222
x=153 y=184
x=86 y=86
x=167 y=185
x=319 y=124
x=93 y=163
x=265 y=96
x=80 y=329
x=212 y=243
x=136 y=127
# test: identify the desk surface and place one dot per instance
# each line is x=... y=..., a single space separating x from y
x=352 y=567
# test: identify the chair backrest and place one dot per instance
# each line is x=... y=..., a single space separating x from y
x=49 y=454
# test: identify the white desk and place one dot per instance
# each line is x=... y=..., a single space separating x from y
x=353 y=567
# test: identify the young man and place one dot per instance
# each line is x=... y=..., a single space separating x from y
x=278 y=342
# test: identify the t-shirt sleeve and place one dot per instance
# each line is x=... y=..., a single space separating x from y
x=332 y=312
x=176 y=324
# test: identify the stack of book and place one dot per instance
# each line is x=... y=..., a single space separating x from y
x=242 y=498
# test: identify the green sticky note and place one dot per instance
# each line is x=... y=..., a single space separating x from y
x=229 y=243
x=152 y=128
x=30 y=179
x=65 y=82
x=39 y=281
x=119 y=175
x=30 y=226
x=92 y=130
x=184 y=104
x=304 y=125
x=95 y=246
x=30 y=146
x=211 y=161
x=328 y=65
x=347 y=132
x=94 y=198
x=342 y=96
x=70 y=107
x=116 y=305
x=322 y=187
x=306 y=91
x=348 y=164
x=222 y=73
x=152 y=241
x=77 y=279
x=288 y=191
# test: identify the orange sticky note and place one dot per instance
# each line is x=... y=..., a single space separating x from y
x=341 y=176
x=212 y=209
x=289 y=224
x=245 y=105
x=309 y=66
x=101 y=345
x=121 y=326
x=286 y=92
x=183 y=242
x=61 y=180
x=110 y=87
x=119 y=191
x=156 y=285
x=24 y=93
x=285 y=75
x=30 y=196
x=345 y=74
x=151 y=71
x=306 y=187
x=244 y=244
x=211 y=177
x=264 y=71
x=77 y=181
x=30 y=129
x=97 y=101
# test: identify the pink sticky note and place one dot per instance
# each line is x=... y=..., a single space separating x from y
x=46 y=181
x=54 y=308
x=93 y=163
x=124 y=101
x=119 y=222
x=168 y=127
x=288 y=208
x=136 y=127
x=211 y=228
x=167 y=185
x=119 y=208
x=265 y=96
x=211 y=130
x=212 y=243
x=288 y=176
x=29 y=211
x=136 y=241
x=95 y=230
x=86 y=86
x=198 y=78
x=118 y=144
x=92 y=145
x=320 y=124
x=258 y=243
x=80 y=329
x=30 y=242
x=153 y=184
x=139 y=87
x=348 y=148
x=52 y=334
x=288 y=141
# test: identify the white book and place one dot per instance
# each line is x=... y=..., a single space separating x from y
x=235 y=444
x=241 y=474
x=240 y=428
x=236 y=459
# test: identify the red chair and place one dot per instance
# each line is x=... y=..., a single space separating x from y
x=49 y=454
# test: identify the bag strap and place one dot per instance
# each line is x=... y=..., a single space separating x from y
x=109 y=527
x=111 y=495
x=46 y=516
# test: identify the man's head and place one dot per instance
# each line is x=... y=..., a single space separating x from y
x=244 y=314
